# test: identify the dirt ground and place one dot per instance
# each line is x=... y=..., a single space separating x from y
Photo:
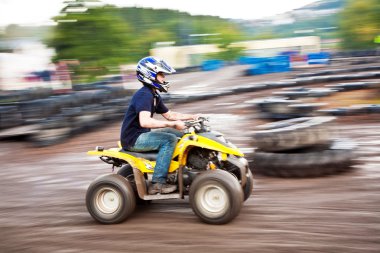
x=42 y=200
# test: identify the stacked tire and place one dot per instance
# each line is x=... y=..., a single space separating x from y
x=280 y=108
x=300 y=147
x=56 y=117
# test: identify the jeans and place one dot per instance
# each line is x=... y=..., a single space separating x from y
x=164 y=140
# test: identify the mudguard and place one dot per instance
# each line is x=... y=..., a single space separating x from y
x=114 y=152
x=193 y=140
x=144 y=165
x=242 y=164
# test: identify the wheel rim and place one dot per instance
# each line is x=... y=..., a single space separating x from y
x=212 y=200
x=107 y=200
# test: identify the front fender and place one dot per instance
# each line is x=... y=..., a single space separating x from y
x=242 y=164
x=192 y=140
x=203 y=142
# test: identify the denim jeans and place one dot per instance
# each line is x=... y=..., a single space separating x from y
x=164 y=140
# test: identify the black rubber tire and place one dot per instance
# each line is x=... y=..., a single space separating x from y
x=248 y=187
x=295 y=94
x=216 y=182
x=48 y=137
x=127 y=172
x=292 y=134
x=116 y=186
x=10 y=116
x=337 y=159
x=274 y=105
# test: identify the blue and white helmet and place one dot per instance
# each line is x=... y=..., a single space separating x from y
x=147 y=70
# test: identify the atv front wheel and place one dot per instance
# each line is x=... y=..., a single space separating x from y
x=110 y=199
x=248 y=186
x=216 y=197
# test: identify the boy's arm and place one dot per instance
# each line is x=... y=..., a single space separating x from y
x=147 y=122
x=170 y=115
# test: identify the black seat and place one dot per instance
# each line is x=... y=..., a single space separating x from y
x=149 y=155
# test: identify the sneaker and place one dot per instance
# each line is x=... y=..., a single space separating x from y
x=161 y=188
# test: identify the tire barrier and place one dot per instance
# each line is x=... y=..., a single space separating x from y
x=352 y=110
x=354 y=86
x=252 y=87
x=293 y=134
x=356 y=53
x=35 y=110
x=339 y=157
x=302 y=92
x=249 y=87
x=281 y=84
x=283 y=108
x=56 y=117
x=52 y=131
x=25 y=95
x=9 y=117
x=339 y=71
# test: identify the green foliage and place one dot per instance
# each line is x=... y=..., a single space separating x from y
x=104 y=37
x=288 y=30
x=360 y=24
x=97 y=38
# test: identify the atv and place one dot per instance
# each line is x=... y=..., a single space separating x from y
x=206 y=167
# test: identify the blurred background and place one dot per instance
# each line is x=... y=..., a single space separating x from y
x=294 y=84
x=92 y=39
x=55 y=48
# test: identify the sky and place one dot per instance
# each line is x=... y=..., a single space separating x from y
x=37 y=12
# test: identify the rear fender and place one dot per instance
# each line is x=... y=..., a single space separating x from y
x=114 y=153
x=145 y=166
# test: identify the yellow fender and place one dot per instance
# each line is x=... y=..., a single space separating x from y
x=114 y=152
x=145 y=166
x=181 y=150
x=190 y=140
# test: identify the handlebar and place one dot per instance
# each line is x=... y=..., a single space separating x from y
x=197 y=125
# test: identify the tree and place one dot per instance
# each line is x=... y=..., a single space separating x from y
x=104 y=37
x=98 y=38
x=360 y=24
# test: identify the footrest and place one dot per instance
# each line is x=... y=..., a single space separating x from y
x=162 y=196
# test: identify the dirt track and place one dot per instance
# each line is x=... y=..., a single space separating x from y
x=42 y=206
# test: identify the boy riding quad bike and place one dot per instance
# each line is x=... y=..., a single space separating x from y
x=201 y=164
x=205 y=166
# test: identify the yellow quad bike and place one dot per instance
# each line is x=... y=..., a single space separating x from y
x=205 y=166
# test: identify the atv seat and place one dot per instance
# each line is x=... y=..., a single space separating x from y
x=149 y=155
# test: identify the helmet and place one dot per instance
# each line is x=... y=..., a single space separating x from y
x=147 y=70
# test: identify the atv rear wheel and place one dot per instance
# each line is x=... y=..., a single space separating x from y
x=110 y=199
x=216 y=197
x=127 y=172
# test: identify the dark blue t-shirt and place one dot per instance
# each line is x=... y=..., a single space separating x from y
x=142 y=100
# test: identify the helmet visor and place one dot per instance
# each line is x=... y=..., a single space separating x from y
x=162 y=66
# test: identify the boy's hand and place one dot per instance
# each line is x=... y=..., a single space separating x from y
x=196 y=116
x=179 y=125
